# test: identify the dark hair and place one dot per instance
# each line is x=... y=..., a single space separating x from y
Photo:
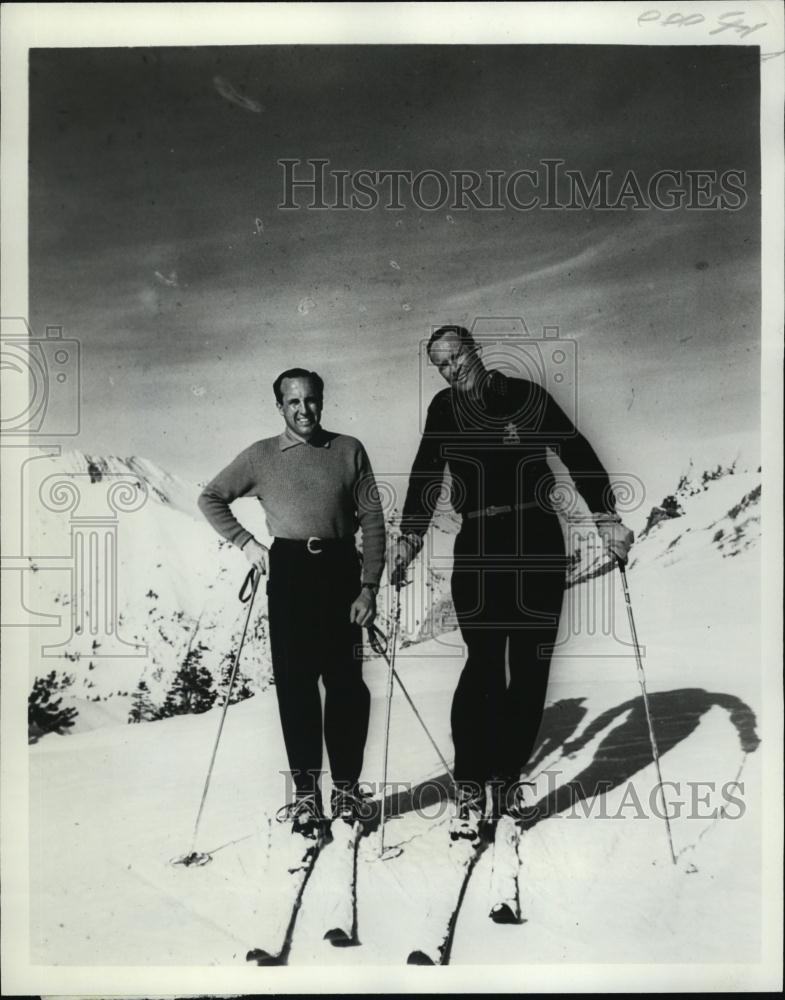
x=460 y=331
x=297 y=373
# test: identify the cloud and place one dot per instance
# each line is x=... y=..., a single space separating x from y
x=170 y=282
x=227 y=91
x=607 y=258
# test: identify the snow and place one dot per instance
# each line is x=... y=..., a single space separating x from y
x=110 y=806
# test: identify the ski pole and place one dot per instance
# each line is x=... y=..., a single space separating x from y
x=194 y=857
x=642 y=681
x=373 y=637
x=390 y=673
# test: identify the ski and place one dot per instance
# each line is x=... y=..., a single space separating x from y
x=302 y=852
x=505 y=894
x=435 y=943
x=339 y=864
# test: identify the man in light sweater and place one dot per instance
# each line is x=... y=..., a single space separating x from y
x=316 y=488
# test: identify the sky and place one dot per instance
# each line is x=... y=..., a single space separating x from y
x=156 y=239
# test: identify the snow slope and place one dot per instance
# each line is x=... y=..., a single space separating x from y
x=177 y=586
x=110 y=807
x=177 y=581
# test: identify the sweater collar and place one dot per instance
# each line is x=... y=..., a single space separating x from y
x=287 y=439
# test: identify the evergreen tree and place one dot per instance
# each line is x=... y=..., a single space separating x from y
x=191 y=690
x=45 y=713
x=142 y=707
x=242 y=684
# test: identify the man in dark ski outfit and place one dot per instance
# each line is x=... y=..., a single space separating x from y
x=491 y=432
x=316 y=488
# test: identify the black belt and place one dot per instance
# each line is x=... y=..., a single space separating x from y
x=495 y=510
x=315 y=546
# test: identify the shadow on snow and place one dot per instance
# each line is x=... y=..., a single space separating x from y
x=621 y=753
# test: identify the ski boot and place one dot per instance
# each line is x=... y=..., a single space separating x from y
x=306 y=815
x=350 y=804
x=469 y=812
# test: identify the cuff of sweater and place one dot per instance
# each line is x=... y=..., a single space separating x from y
x=371 y=576
x=242 y=539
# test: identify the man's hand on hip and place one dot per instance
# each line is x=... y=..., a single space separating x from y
x=257 y=555
x=363 y=610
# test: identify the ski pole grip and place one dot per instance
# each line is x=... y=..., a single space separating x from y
x=250 y=581
x=375 y=639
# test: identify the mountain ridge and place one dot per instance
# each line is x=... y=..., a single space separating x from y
x=177 y=580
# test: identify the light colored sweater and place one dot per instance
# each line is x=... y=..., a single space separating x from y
x=324 y=489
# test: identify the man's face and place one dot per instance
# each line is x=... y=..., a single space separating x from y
x=301 y=406
x=453 y=360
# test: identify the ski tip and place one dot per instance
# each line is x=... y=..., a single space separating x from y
x=390 y=852
x=194 y=859
x=339 y=938
x=262 y=957
x=502 y=913
x=419 y=958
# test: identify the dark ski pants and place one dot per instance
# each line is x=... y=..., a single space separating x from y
x=309 y=597
x=507 y=588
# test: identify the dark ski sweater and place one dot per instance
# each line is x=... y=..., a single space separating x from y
x=494 y=445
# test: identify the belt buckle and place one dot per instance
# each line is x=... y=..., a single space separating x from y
x=493 y=510
x=314 y=552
